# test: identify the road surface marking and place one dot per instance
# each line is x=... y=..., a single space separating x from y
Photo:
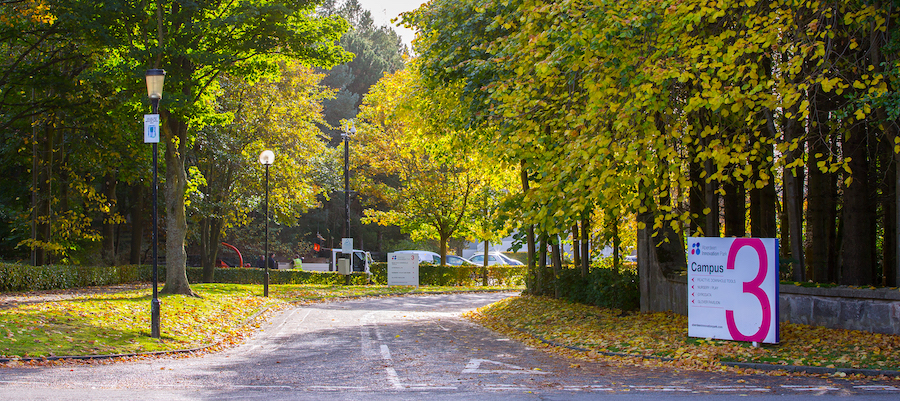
x=737 y=388
x=877 y=388
x=507 y=387
x=474 y=366
x=393 y=378
x=659 y=388
x=386 y=353
x=592 y=387
x=338 y=388
x=366 y=337
x=809 y=388
x=427 y=387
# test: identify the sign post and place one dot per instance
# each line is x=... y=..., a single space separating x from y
x=733 y=289
x=403 y=269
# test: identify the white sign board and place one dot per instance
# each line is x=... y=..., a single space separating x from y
x=403 y=269
x=733 y=289
x=347 y=246
x=151 y=128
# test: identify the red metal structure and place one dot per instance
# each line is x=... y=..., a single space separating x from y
x=240 y=258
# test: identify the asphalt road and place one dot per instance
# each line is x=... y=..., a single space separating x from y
x=396 y=349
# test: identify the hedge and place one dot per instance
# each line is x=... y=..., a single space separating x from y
x=18 y=277
x=604 y=287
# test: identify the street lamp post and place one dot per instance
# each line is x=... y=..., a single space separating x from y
x=155 y=78
x=347 y=179
x=266 y=158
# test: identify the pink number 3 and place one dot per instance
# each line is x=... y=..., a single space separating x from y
x=751 y=287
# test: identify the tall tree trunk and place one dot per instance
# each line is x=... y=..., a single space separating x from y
x=586 y=244
x=735 y=210
x=821 y=213
x=443 y=248
x=614 y=226
x=529 y=234
x=891 y=127
x=176 y=221
x=484 y=264
x=137 y=223
x=889 y=218
x=210 y=237
x=556 y=260
x=108 y=248
x=696 y=200
x=542 y=265
x=710 y=188
x=793 y=195
x=763 y=200
x=576 y=251
x=857 y=248
x=44 y=196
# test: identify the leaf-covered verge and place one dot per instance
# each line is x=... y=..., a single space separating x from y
x=119 y=323
x=540 y=320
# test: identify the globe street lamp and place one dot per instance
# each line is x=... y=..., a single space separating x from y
x=266 y=158
x=155 y=78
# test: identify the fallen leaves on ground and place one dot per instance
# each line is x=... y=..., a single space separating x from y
x=664 y=335
x=119 y=323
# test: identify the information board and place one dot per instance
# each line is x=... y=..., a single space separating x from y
x=733 y=289
x=151 y=128
x=403 y=269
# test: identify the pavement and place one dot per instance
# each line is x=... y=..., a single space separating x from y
x=399 y=348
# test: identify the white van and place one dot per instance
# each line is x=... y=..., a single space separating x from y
x=359 y=264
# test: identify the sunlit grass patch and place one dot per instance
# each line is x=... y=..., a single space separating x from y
x=119 y=323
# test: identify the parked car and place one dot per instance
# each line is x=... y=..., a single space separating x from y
x=632 y=257
x=495 y=258
x=435 y=258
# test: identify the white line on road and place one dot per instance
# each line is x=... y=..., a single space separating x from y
x=593 y=387
x=877 y=388
x=659 y=388
x=809 y=388
x=366 y=337
x=474 y=366
x=507 y=387
x=262 y=386
x=386 y=353
x=338 y=388
x=393 y=378
x=737 y=388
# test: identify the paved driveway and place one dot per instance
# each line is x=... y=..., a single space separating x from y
x=395 y=348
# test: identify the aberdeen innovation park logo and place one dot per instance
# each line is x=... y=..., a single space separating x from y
x=695 y=248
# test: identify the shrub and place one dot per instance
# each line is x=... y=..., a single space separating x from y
x=604 y=287
x=19 y=277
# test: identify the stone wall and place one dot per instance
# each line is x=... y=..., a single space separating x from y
x=876 y=311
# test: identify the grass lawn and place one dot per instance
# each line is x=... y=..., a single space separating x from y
x=119 y=323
